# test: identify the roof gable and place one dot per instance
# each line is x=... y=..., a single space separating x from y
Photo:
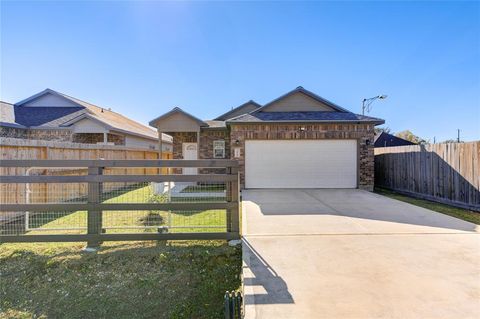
x=239 y=110
x=89 y=124
x=300 y=100
x=48 y=98
x=177 y=120
x=83 y=117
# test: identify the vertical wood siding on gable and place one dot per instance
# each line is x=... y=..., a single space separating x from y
x=51 y=100
x=298 y=102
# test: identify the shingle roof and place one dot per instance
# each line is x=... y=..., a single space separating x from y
x=69 y=117
x=246 y=107
x=114 y=119
x=216 y=124
x=303 y=117
x=41 y=116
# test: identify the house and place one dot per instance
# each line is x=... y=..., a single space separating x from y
x=51 y=115
x=298 y=140
x=388 y=140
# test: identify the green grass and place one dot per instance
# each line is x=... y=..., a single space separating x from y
x=122 y=280
x=460 y=213
x=196 y=221
x=204 y=189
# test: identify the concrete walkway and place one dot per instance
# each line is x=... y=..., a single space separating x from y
x=355 y=254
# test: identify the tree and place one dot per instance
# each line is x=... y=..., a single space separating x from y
x=386 y=129
x=409 y=136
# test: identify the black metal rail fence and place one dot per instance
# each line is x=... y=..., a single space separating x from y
x=110 y=200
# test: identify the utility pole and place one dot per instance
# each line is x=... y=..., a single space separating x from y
x=434 y=140
x=458 y=135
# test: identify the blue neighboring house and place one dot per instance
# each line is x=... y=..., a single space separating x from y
x=388 y=140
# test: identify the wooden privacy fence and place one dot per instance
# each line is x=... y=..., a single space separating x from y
x=195 y=209
x=20 y=149
x=447 y=173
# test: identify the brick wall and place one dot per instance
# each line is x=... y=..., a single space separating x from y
x=206 y=147
x=178 y=139
x=36 y=134
x=361 y=132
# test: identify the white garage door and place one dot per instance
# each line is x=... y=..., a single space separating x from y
x=301 y=164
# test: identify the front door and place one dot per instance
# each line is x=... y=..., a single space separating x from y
x=190 y=152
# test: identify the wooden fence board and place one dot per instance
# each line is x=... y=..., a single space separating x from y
x=446 y=172
x=20 y=149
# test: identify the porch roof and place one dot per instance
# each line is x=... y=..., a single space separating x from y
x=177 y=120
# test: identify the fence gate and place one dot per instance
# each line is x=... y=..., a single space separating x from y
x=109 y=200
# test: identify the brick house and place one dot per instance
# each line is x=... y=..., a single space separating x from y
x=54 y=116
x=299 y=140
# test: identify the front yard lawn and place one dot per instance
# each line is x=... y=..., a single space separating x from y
x=460 y=213
x=174 y=279
x=123 y=280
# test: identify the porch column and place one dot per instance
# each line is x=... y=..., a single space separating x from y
x=105 y=138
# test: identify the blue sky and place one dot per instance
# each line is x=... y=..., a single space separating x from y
x=143 y=58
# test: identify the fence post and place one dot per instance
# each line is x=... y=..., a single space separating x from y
x=233 y=218
x=94 y=219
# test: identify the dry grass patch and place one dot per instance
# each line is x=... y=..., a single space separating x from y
x=123 y=280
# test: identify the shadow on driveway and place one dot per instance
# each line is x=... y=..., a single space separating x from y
x=361 y=206
x=259 y=274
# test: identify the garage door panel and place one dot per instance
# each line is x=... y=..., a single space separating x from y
x=301 y=164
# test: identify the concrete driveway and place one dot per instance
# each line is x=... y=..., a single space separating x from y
x=354 y=254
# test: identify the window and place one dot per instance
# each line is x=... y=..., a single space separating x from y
x=219 y=149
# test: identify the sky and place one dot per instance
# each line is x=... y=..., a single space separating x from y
x=143 y=58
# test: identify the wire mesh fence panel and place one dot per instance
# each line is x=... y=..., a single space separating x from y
x=42 y=223
x=12 y=223
x=134 y=221
x=189 y=192
x=126 y=193
x=198 y=221
x=164 y=221
x=37 y=193
x=128 y=203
